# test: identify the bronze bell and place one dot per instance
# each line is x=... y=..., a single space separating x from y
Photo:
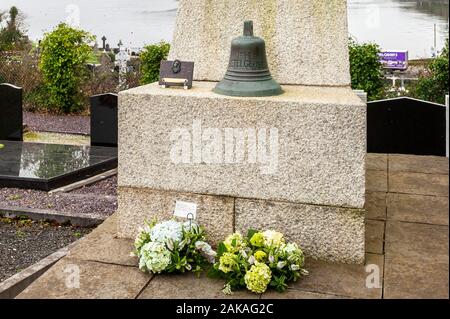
x=248 y=72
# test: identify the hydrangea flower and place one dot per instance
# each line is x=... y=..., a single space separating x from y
x=164 y=231
x=257 y=239
x=294 y=254
x=258 y=278
x=260 y=256
x=273 y=239
x=227 y=262
x=234 y=242
x=155 y=257
x=206 y=250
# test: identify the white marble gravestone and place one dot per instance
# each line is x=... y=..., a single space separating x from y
x=293 y=163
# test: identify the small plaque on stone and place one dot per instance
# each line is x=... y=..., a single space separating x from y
x=176 y=73
x=185 y=209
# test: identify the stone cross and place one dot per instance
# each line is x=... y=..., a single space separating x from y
x=104 y=43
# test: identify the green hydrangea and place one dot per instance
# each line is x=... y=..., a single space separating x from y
x=155 y=257
x=234 y=242
x=260 y=256
x=258 y=278
x=227 y=262
x=257 y=239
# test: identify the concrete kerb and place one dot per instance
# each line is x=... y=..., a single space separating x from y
x=80 y=220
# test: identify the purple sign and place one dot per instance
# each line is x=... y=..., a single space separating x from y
x=394 y=60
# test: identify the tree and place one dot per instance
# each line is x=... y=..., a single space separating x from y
x=366 y=69
x=64 y=53
x=434 y=85
x=151 y=58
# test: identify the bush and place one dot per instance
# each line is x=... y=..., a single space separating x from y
x=151 y=57
x=366 y=70
x=64 y=53
x=434 y=86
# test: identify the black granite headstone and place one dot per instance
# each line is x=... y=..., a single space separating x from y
x=406 y=126
x=104 y=125
x=10 y=112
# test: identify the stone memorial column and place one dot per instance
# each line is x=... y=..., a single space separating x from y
x=293 y=162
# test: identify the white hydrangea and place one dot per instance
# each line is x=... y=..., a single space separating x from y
x=155 y=257
x=168 y=230
x=273 y=238
x=206 y=250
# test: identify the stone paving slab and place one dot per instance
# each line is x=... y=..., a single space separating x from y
x=340 y=279
x=103 y=245
x=299 y=294
x=418 y=208
x=189 y=286
x=378 y=162
x=418 y=183
x=97 y=281
x=374 y=236
x=416 y=262
x=376 y=181
x=375 y=205
x=418 y=164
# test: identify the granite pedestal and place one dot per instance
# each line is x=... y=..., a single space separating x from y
x=294 y=163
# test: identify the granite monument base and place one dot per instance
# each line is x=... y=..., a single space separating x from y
x=294 y=163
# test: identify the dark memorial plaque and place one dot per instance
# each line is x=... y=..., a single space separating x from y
x=176 y=73
x=10 y=112
x=104 y=125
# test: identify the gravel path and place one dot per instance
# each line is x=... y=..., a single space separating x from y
x=106 y=187
x=22 y=246
x=77 y=124
x=92 y=199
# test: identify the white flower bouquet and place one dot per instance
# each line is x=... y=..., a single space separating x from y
x=172 y=247
x=259 y=261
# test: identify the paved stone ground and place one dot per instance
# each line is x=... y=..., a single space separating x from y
x=406 y=237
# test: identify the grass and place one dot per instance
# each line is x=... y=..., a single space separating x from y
x=20 y=234
x=14 y=197
x=56 y=138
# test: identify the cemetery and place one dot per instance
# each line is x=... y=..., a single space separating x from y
x=250 y=160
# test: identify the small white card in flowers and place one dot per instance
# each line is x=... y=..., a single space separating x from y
x=185 y=209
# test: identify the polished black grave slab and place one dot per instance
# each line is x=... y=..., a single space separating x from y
x=49 y=166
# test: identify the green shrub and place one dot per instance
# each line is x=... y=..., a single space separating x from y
x=434 y=86
x=366 y=70
x=64 y=53
x=151 y=57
